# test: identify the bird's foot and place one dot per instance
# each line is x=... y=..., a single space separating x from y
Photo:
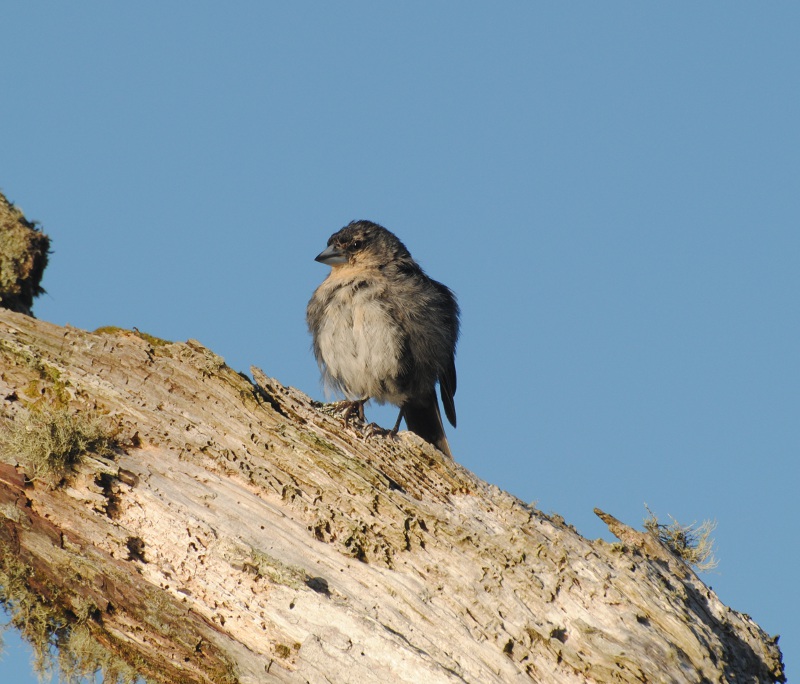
x=375 y=430
x=348 y=410
x=356 y=408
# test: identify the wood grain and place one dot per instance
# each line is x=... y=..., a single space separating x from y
x=241 y=533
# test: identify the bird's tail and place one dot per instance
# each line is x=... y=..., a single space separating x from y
x=424 y=419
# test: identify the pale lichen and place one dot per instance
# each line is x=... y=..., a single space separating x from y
x=48 y=442
x=691 y=543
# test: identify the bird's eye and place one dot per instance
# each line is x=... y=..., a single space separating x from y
x=355 y=244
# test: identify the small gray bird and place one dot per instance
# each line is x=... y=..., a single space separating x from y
x=384 y=330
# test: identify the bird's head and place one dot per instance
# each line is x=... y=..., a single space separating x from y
x=362 y=243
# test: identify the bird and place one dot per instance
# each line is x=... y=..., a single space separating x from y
x=384 y=330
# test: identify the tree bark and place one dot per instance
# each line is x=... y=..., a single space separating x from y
x=215 y=529
x=240 y=533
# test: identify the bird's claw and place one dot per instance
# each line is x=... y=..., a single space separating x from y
x=373 y=430
x=350 y=411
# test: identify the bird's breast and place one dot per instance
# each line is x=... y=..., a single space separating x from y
x=359 y=342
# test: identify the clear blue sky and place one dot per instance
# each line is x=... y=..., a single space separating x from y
x=612 y=190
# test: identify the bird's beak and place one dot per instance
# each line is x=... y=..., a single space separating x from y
x=331 y=256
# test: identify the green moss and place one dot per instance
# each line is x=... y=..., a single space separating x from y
x=278 y=572
x=50 y=441
x=23 y=257
x=318 y=443
x=150 y=339
x=20 y=245
x=283 y=651
x=49 y=386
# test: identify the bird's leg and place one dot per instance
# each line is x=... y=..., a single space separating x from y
x=393 y=431
x=354 y=407
x=372 y=429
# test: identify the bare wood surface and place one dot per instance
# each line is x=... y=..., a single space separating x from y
x=240 y=533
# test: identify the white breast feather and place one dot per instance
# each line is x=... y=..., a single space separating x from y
x=366 y=347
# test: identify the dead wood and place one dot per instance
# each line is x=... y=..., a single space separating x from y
x=164 y=516
x=237 y=532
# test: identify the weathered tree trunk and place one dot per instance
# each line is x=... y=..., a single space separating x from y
x=226 y=531
x=239 y=533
